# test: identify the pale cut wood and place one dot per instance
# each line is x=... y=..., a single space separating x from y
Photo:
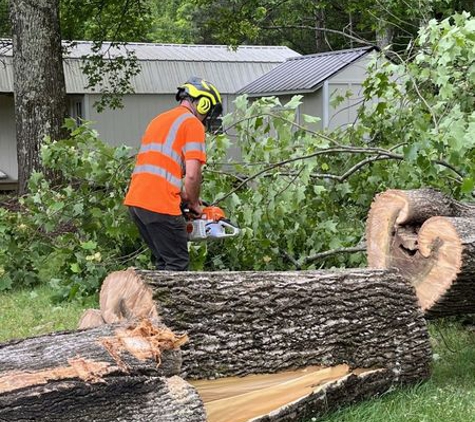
x=398 y=213
x=91 y=318
x=221 y=388
x=246 y=399
x=444 y=266
x=428 y=237
x=126 y=294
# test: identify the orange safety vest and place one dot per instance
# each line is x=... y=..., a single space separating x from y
x=170 y=139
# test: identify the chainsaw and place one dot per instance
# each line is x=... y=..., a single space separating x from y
x=212 y=224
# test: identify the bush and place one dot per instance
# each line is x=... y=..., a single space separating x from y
x=72 y=232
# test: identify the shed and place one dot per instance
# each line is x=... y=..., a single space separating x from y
x=163 y=68
x=318 y=77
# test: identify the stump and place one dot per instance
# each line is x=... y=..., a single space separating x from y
x=429 y=237
x=282 y=346
x=122 y=372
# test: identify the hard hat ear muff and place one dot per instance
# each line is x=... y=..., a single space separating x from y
x=203 y=105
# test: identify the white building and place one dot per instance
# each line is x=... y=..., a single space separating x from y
x=163 y=68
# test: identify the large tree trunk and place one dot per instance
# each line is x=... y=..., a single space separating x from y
x=428 y=236
x=300 y=342
x=40 y=90
x=121 y=372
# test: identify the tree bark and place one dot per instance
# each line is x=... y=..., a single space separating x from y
x=428 y=236
x=123 y=372
x=39 y=84
x=362 y=327
x=121 y=398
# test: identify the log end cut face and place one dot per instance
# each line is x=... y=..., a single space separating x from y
x=123 y=296
x=388 y=210
x=441 y=249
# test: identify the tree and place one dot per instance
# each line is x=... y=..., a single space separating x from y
x=323 y=25
x=39 y=85
x=173 y=22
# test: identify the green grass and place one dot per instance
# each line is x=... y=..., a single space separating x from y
x=449 y=396
x=27 y=313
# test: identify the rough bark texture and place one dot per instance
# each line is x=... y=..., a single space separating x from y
x=40 y=90
x=249 y=323
x=121 y=398
x=262 y=322
x=428 y=237
x=123 y=372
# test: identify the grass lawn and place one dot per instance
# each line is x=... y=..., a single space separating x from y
x=26 y=313
x=449 y=396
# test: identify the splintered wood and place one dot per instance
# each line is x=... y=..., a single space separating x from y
x=241 y=399
x=430 y=238
x=113 y=372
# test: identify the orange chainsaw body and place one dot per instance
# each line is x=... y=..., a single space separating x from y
x=212 y=224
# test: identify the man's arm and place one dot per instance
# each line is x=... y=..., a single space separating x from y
x=192 y=186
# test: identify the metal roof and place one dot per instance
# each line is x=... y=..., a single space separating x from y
x=190 y=52
x=165 y=66
x=303 y=74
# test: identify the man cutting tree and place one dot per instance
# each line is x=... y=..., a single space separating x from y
x=172 y=148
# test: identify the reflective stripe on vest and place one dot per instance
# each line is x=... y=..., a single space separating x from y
x=158 y=171
x=194 y=146
x=166 y=149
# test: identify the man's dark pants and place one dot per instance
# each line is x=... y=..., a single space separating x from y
x=166 y=237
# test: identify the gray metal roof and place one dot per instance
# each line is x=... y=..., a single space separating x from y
x=191 y=52
x=165 y=66
x=303 y=74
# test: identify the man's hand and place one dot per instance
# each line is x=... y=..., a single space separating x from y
x=195 y=208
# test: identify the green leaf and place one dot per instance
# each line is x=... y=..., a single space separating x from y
x=90 y=245
x=468 y=185
x=311 y=119
x=294 y=102
x=75 y=268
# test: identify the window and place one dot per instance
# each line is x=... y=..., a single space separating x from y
x=76 y=110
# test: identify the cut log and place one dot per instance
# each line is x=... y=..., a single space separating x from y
x=428 y=236
x=362 y=328
x=108 y=350
x=112 y=372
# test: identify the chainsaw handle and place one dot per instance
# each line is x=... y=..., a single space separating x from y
x=227 y=225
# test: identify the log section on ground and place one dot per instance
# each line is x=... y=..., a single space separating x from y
x=362 y=328
x=121 y=372
x=429 y=237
